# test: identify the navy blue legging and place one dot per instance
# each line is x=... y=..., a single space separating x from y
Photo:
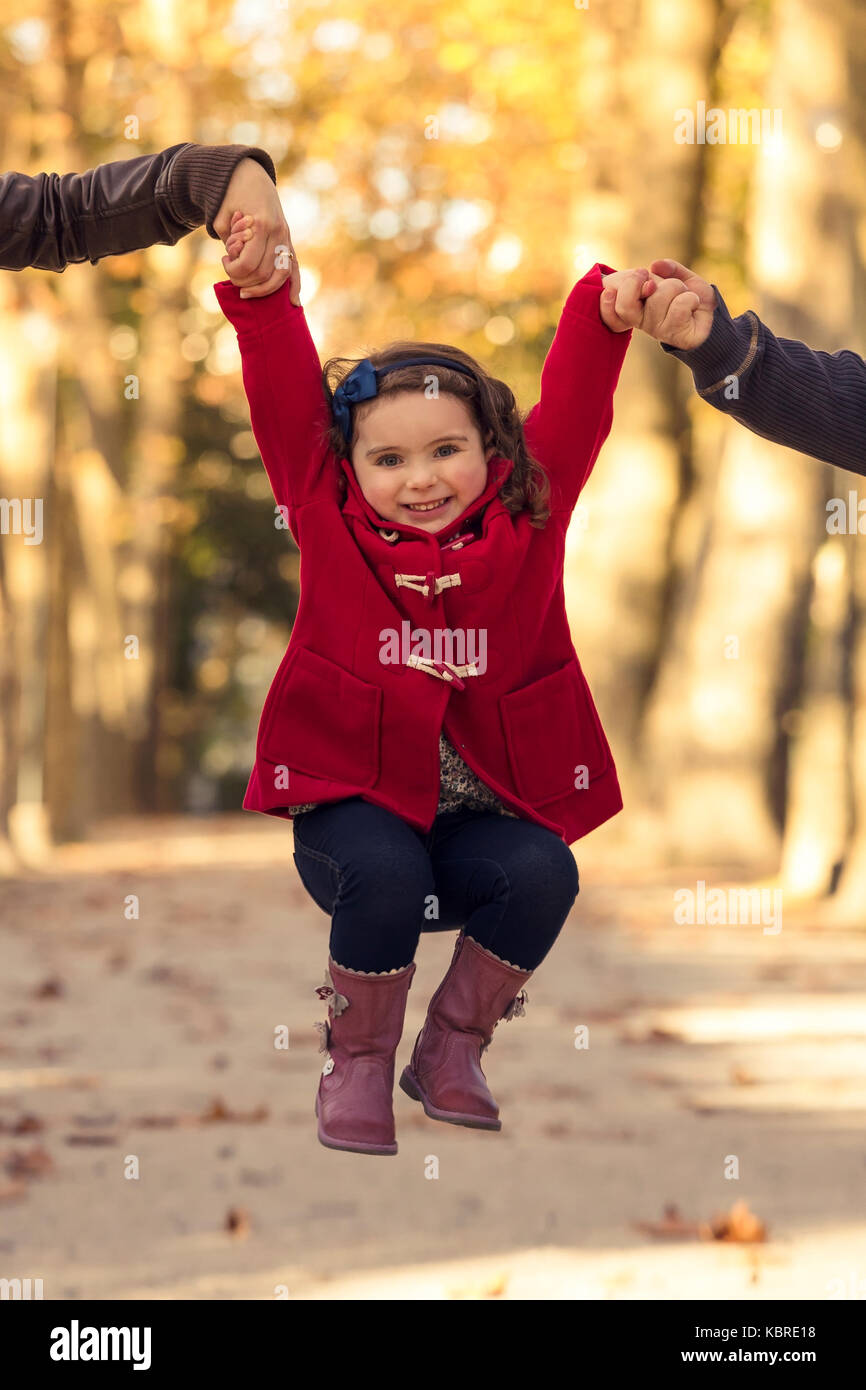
x=510 y=883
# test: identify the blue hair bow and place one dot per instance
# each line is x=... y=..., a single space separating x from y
x=362 y=384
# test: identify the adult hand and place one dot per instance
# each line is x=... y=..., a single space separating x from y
x=688 y=321
x=265 y=263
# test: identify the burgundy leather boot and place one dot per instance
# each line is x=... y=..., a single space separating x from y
x=445 y=1069
x=355 y=1101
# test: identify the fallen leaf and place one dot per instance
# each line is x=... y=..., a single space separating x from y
x=651 y=1035
x=319 y=1210
x=30 y=1163
x=49 y=989
x=699 y=1107
x=13 y=1191
x=493 y=1287
x=671 y=1226
x=738 y=1225
x=218 y=1112
x=663 y=1035
x=169 y=975
x=774 y=971
x=98 y=900
x=24 y=1124
x=555 y=1129
x=238 y=1222
x=555 y=1090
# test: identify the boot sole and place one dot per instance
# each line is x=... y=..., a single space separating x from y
x=358 y=1147
x=413 y=1088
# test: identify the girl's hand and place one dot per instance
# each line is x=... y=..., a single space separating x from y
x=241 y=232
x=259 y=274
x=622 y=304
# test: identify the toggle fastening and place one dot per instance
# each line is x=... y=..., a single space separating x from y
x=427 y=584
x=445 y=670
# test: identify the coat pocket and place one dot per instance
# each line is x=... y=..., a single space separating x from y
x=551 y=731
x=322 y=720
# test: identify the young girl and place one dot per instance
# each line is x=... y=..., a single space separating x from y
x=429 y=730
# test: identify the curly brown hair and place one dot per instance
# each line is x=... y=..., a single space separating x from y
x=490 y=402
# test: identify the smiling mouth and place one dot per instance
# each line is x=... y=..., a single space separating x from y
x=420 y=507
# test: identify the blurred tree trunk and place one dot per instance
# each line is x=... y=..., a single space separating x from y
x=9 y=689
x=80 y=721
x=8 y=716
x=849 y=902
x=87 y=752
x=643 y=198
x=28 y=374
x=119 y=475
x=158 y=447
x=732 y=680
x=825 y=200
x=28 y=411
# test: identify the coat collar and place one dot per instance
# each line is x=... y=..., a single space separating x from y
x=498 y=470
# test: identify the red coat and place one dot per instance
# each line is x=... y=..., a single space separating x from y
x=340 y=721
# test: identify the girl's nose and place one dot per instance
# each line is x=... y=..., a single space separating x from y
x=423 y=477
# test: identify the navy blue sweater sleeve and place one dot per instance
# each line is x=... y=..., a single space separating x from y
x=814 y=402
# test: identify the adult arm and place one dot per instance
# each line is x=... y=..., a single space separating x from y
x=50 y=221
x=811 y=401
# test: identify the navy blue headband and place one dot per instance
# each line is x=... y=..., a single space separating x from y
x=362 y=384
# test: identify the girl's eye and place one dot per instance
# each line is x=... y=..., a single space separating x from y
x=383 y=458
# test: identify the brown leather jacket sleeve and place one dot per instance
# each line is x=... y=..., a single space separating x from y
x=53 y=220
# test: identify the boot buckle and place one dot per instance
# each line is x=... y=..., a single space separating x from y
x=516 y=1009
x=327 y=990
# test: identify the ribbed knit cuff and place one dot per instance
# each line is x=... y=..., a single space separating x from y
x=728 y=350
x=199 y=175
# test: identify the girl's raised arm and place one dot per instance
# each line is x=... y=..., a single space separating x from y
x=572 y=419
x=283 y=381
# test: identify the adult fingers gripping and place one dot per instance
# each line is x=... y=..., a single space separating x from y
x=678 y=325
x=668 y=269
x=694 y=283
x=669 y=317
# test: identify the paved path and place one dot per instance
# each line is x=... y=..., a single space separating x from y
x=150 y=1041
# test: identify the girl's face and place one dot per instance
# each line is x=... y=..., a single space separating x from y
x=414 y=450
